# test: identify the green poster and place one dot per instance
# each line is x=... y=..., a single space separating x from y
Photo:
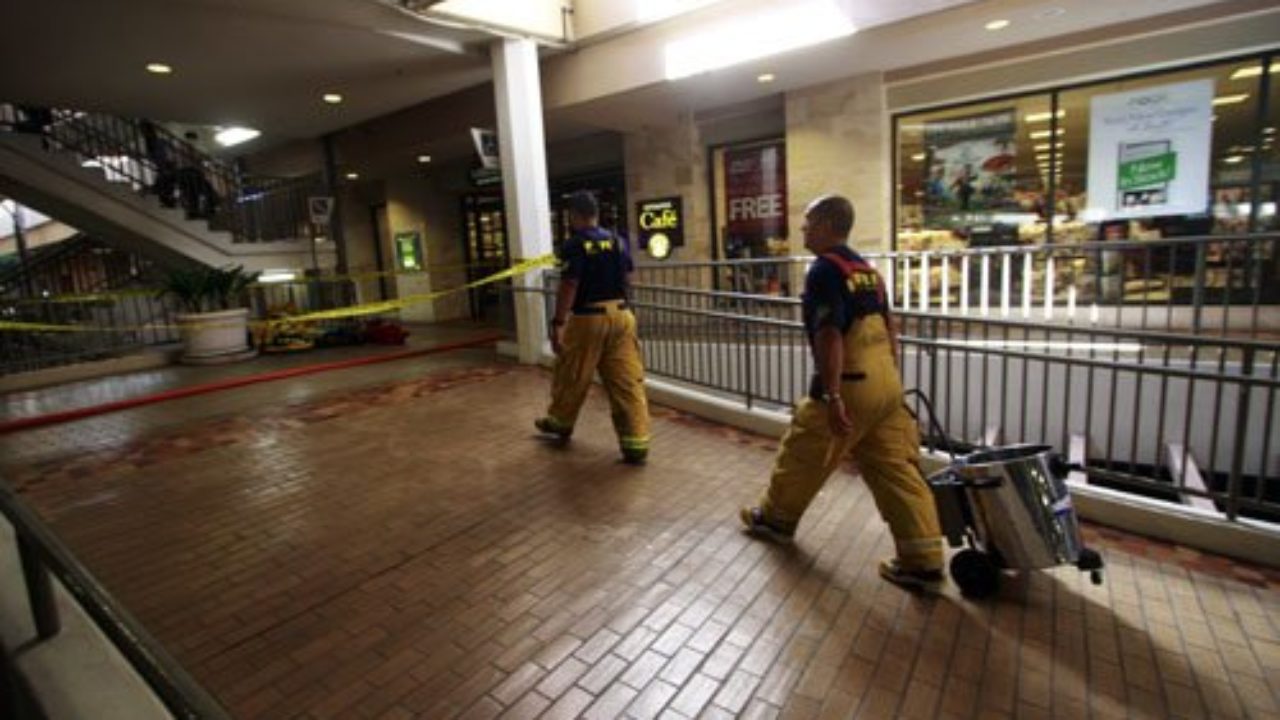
x=1148 y=171
x=409 y=250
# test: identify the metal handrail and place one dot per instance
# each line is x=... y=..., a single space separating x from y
x=153 y=159
x=42 y=553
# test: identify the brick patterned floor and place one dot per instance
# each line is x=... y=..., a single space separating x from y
x=411 y=549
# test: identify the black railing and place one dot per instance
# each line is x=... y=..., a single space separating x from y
x=152 y=160
x=108 y=295
x=44 y=557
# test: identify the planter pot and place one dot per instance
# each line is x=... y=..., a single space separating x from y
x=216 y=337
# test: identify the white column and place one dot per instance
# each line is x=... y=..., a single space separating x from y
x=521 y=144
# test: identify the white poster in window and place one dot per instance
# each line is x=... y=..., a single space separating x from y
x=1149 y=151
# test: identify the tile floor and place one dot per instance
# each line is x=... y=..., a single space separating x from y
x=394 y=541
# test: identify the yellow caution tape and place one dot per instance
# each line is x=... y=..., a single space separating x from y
x=376 y=308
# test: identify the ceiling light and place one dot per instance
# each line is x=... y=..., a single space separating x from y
x=1230 y=99
x=424 y=158
x=1233 y=159
x=1269 y=130
x=756 y=36
x=235 y=136
x=918 y=157
x=1044 y=116
x=332 y=98
x=1045 y=147
x=159 y=68
x=353 y=176
x=1044 y=134
x=277 y=276
x=1252 y=71
x=997 y=24
x=764 y=78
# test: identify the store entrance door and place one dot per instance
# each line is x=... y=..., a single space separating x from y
x=484 y=231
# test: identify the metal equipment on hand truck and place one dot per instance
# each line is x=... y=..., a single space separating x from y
x=1011 y=507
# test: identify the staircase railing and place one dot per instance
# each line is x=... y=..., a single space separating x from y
x=150 y=159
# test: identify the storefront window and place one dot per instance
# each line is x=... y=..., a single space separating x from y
x=1186 y=133
x=974 y=176
x=1269 y=180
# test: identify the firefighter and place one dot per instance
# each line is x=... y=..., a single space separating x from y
x=854 y=405
x=594 y=330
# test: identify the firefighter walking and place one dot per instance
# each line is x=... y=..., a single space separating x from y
x=594 y=330
x=854 y=405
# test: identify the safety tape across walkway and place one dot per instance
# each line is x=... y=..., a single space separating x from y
x=114 y=295
x=377 y=308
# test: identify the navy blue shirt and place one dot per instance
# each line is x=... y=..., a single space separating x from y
x=831 y=299
x=597 y=260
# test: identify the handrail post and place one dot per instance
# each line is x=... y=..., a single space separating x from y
x=44 y=608
x=1197 y=289
x=1238 y=445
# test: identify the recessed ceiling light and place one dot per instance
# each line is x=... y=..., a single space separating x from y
x=353 y=176
x=235 y=136
x=997 y=24
x=764 y=78
x=424 y=158
x=1045 y=134
x=332 y=98
x=918 y=157
x=159 y=68
x=1233 y=159
x=1044 y=116
x=1230 y=99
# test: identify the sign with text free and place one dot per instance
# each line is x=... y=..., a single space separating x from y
x=661 y=225
x=755 y=180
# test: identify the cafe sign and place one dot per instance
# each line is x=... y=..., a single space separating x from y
x=661 y=225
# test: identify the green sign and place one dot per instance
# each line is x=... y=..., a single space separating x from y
x=1148 y=171
x=409 y=250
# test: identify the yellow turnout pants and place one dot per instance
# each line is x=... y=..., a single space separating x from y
x=607 y=343
x=885 y=444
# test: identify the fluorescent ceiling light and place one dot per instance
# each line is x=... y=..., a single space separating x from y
x=235 y=136
x=1252 y=71
x=1044 y=116
x=764 y=78
x=1233 y=159
x=332 y=98
x=1045 y=134
x=276 y=276
x=158 y=68
x=424 y=158
x=1045 y=147
x=353 y=176
x=1230 y=99
x=761 y=35
x=997 y=24
x=918 y=157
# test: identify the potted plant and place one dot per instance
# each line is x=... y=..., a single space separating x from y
x=215 y=323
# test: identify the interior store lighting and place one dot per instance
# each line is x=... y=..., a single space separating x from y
x=332 y=98
x=1230 y=99
x=997 y=24
x=158 y=68
x=1252 y=71
x=764 y=78
x=1044 y=116
x=1046 y=134
x=756 y=36
x=235 y=135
